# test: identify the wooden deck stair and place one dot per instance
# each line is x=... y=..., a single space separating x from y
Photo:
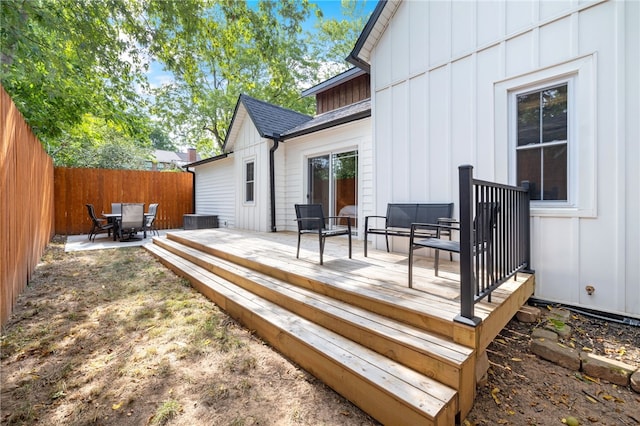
x=400 y=372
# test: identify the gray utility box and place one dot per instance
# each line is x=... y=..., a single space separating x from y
x=200 y=221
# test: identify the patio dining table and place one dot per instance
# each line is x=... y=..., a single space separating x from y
x=113 y=218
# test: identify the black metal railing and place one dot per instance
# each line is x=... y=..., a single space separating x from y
x=494 y=238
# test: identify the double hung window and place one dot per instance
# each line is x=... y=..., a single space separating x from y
x=542 y=141
x=249 y=181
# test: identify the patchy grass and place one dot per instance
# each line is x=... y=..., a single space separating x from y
x=112 y=337
x=167 y=411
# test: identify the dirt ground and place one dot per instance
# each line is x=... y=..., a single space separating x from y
x=111 y=337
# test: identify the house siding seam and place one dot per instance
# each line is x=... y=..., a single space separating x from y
x=433 y=105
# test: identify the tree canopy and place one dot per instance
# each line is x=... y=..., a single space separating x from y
x=79 y=70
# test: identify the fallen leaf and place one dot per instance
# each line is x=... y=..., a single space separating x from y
x=116 y=406
x=494 y=394
x=591 y=379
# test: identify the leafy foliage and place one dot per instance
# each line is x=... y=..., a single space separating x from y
x=64 y=61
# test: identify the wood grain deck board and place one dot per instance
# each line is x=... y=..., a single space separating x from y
x=421 y=398
x=411 y=346
x=353 y=275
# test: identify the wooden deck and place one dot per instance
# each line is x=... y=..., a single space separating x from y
x=354 y=323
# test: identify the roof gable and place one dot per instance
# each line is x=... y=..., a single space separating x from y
x=360 y=56
x=269 y=120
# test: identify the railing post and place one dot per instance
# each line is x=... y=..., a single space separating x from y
x=467 y=294
x=526 y=219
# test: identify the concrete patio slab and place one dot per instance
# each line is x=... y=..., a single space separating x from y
x=103 y=241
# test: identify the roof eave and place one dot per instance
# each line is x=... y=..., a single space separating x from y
x=233 y=120
x=354 y=57
x=333 y=81
x=351 y=118
x=208 y=160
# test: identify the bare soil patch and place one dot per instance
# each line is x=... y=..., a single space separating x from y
x=112 y=337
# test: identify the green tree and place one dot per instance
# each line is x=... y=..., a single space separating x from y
x=334 y=39
x=233 y=48
x=97 y=143
x=64 y=60
x=160 y=140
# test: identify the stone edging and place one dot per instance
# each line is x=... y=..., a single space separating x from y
x=545 y=344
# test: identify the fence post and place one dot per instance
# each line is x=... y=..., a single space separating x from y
x=467 y=294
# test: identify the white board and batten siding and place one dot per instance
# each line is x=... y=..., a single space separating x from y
x=220 y=185
x=250 y=147
x=215 y=192
x=442 y=73
x=351 y=136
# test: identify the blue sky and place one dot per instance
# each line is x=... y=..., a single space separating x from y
x=330 y=9
x=333 y=8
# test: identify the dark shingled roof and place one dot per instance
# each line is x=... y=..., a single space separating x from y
x=333 y=118
x=270 y=119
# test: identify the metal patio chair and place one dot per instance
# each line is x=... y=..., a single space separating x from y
x=98 y=225
x=311 y=220
x=150 y=219
x=483 y=229
x=132 y=221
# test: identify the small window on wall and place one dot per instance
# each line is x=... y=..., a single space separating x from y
x=542 y=142
x=249 y=173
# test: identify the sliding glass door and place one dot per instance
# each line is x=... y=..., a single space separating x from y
x=333 y=182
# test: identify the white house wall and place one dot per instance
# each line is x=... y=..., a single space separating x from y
x=355 y=135
x=215 y=192
x=441 y=73
x=249 y=146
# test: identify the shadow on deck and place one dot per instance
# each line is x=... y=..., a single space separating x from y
x=395 y=352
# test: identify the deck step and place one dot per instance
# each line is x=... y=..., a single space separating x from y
x=349 y=286
x=430 y=354
x=386 y=389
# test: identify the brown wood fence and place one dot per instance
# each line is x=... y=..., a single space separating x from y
x=38 y=200
x=75 y=187
x=26 y=203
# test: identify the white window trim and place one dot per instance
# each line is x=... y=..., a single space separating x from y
x=580 y=74
x=244 y=181
x=571 y=141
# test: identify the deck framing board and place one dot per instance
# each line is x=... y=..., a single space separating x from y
x=327 y=354
x=450 y=362
x=376 y=284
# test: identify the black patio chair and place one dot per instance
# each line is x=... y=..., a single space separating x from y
x=132 y=221
x=150 y=219
x=311 y=220
x=98 y=225
x=483 y=229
